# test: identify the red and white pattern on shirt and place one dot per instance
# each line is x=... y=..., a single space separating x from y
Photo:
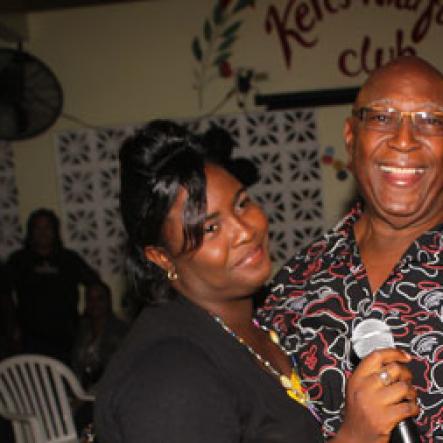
x=322 y=293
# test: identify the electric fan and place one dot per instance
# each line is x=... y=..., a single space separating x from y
x=31 y=97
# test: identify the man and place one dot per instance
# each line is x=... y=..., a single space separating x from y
x=385 y=259
x=45 y=277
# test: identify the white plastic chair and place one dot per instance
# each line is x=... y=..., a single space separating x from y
x=35 y=395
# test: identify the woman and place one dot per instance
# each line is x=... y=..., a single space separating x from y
x=195 y=367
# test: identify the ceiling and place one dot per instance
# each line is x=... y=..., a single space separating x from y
x=11 y=6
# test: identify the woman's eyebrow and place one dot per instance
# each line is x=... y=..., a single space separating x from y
x=236 y=197
x=212 y=216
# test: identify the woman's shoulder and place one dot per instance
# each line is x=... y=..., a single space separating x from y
x=167 y=364
x=176 y=378
x=165 y=331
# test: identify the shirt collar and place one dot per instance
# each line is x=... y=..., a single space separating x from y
x=341 y=243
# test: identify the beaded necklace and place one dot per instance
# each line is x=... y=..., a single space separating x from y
x=292 y=384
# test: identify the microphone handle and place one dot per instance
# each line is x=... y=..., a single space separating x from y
x=405 y=432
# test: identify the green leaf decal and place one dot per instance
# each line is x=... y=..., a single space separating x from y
x=232 y=29
x=207 y=31
x=218 y=13
x=241 y=4
x=221 y=58
x=196 y=49
x=227 y=43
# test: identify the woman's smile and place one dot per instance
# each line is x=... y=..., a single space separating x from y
x=253 y=257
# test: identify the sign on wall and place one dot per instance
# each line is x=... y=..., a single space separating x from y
x=295 y=23
x=301 y=31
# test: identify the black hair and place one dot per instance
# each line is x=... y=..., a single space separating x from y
x=53 y=220
x=156 y=162
x=159 y=159
x=220 y=146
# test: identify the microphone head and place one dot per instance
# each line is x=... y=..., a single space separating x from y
x=369 y=335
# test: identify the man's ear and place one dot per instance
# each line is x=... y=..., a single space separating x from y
x=349 y=137
x=158 y=256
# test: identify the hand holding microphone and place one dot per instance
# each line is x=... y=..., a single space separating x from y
x=373 y=334
x=379 y=394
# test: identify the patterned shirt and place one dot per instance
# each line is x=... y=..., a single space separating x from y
x=321 y=294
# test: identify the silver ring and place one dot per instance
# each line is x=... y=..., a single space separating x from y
x=385 y=378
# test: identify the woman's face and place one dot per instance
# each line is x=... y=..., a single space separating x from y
x=233 y=260
x=42 y=233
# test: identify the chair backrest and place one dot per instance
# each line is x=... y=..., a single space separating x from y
x=39 y=386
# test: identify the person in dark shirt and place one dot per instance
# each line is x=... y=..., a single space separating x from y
x=45 y=277
x=384 y=260
x=195 y=366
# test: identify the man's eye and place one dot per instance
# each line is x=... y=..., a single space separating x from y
x=379 y=117
x=432 y=120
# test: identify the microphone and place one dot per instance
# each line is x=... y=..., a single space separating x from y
x=372 y=334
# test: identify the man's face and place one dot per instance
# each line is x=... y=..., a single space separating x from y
x=400 y=173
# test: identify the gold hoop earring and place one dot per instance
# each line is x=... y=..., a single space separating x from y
x=172 y=275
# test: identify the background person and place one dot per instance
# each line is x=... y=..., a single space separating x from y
x=384 y=260
x=45 y=277
x=195 y=366
x=98 y=336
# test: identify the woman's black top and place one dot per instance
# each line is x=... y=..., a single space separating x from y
x=179 y=377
